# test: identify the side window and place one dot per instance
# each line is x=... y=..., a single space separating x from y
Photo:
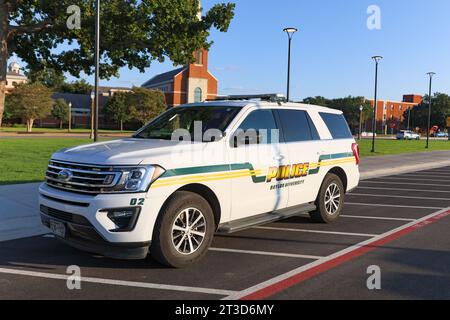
x=337 y=125
x=256 y=129
x=297 y=126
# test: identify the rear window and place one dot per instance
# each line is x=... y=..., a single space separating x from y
x=297 y=126
x=337 y=125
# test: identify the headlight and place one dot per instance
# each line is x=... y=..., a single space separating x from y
x=138 y=179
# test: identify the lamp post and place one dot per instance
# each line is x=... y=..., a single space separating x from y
x=361 y=108
x=70 y=117
x=97 y=69
x=377 y=60
x=430 y=74
x=290 y=32
x=92 y=136
x=409 y=118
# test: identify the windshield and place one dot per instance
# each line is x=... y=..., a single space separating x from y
x=185 y=118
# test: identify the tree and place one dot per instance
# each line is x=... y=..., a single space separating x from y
x=49 y=77
x=350 y=106
x=76 y=87
x=317 y=101
x=117 y=108
x=440 y=110
x=60 y=111
x=31 y=101
x=134 y=33
x=146 y=104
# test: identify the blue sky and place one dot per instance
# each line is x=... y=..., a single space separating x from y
x=331 y=53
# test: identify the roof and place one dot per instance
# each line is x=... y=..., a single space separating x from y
x=163 y=77
x=14 y=74
x=81 y=101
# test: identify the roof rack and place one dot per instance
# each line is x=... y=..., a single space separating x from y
x=270 y=97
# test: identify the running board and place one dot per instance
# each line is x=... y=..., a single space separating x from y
x=242 y=224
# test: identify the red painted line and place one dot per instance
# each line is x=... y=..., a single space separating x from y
x=270 y=290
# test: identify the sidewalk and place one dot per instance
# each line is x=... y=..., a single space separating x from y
x=19 y=211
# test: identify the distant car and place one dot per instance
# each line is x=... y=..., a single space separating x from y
x=408 y=135
x=441 y=135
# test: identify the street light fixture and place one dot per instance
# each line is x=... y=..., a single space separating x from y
x=430 y=74
x=361 y=109
x=290 y=32
x=70 y=117
x=377 y=59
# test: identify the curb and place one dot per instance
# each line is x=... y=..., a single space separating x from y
x=401 y=170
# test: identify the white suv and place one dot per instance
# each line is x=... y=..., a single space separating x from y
x=198 y=169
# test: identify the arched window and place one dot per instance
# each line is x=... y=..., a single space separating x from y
x=198 y=95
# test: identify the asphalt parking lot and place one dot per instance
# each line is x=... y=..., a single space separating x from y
x=398 y=223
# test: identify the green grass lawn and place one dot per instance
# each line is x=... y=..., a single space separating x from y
x=387 y=147
x=25 y=160
x=22 y=129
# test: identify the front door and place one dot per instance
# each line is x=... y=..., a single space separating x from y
x=256 y=152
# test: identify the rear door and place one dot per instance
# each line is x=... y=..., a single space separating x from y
x=305 y=148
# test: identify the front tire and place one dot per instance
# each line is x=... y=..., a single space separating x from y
x=330 y=201
x=184 y=230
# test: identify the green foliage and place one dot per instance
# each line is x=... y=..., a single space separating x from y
x=49 y=77
x=145 y=104
x=60 y=111
x=440 y=110
x=31 y=101
x=117 y=108
x=76 y=87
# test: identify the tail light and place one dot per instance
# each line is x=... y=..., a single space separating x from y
x=356 y=153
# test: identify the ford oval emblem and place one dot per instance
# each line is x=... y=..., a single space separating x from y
x=65 y=175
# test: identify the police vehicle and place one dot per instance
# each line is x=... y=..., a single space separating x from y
x=197 y=170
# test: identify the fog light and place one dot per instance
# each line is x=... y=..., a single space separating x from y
x=125 y=218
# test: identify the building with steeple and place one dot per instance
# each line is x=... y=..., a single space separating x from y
x=14 y=77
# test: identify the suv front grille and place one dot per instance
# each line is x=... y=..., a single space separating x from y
x=81 y=178
x=64 y=216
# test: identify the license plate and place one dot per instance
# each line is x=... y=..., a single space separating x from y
x=58 y=228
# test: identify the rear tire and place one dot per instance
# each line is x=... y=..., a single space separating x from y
x=184 y=230
x=330 y=201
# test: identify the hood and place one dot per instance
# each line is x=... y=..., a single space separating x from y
x=118 y=152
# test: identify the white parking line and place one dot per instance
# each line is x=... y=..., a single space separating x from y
x=144 y=285
x=419 y=174
x=266 y=253
x=319 y=232
x=390 y=206
x=378 y=218
x=393 y=196
x=402 y=189
x=406 y=183
x=415 y=179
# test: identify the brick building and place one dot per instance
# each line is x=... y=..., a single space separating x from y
x=390 y=114
x=188 y=84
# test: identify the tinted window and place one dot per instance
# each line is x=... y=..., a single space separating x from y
x=296 y=126
x=337 y=125
x=260 y=122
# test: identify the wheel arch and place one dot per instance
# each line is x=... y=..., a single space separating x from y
x=341 y=174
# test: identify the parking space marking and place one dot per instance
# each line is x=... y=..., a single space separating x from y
x=390 y=206
x=280 y=283
x=415 y=179
x=144 y=285
x=402 y=189
x=319 y=232
x=393 y=196
x=266 y=253
x=378 y=218
x=420 y=174
x=404 y=183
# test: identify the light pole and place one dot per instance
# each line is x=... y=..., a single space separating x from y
x=409 y=118
x=430 y=74
x=92 y=136
x=377 y=60
x=361 y=108
x=70 y=117
x=290 y=32
x=97 y=67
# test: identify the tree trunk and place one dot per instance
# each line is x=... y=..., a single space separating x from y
x=121 y=125
x=30 y=123
x=4 y=55
x=60 y=124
